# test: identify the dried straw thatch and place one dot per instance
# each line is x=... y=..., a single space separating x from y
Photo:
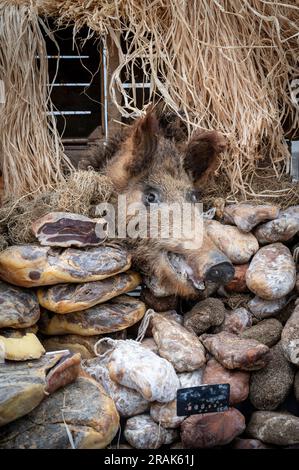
x=227 y=64
x=30 y=148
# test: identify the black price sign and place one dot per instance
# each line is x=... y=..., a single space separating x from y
x=202 y=399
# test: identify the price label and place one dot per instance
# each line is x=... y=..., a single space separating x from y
x=203 y=399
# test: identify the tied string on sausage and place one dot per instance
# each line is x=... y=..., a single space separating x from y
x=149 y=314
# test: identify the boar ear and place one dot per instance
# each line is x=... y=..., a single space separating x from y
x=144 y=143
x=201 y=154
x=136 y=152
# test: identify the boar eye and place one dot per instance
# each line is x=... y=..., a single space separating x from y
x=151 y=196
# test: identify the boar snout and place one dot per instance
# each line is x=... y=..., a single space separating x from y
x=221 y=273
x=214 y=265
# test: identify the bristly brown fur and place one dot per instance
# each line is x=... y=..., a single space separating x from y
x=102 y=152
x=138 y=145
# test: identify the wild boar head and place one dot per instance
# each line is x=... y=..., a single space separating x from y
x=152 y=170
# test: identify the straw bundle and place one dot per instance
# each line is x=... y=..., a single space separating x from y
x=30 y=148
x=227 y=64
x=80 y=194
